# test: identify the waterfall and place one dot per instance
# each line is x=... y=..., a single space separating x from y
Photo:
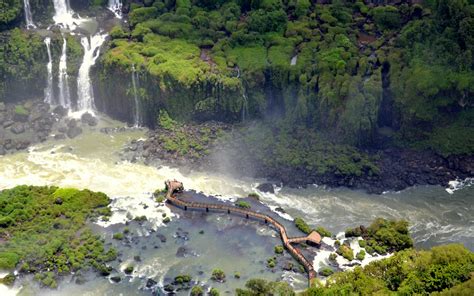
x=48 y=91
x=64 y=95
x=85 y=93
x=116 y=7
x=136 y=118
x=245 y=104
x=294 y=59
x=63 y=14
x=28 y=15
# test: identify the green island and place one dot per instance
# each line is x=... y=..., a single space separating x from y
x=44 y=231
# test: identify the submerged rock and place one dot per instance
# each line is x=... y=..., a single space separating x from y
x=73 y=132
x=266 y=187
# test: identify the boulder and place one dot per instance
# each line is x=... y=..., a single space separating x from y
x=73 y=132
x=266 y=187
x=20 y=117
x=8 y=123
x=72 y=123
x=150 y=283
x=18 y=128
x=59 y=136
x=115 y=279
x=60 y=111
x=89 y=119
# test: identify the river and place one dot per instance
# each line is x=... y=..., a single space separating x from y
x=92 y=161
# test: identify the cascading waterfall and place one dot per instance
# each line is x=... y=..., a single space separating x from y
x=64 y=15
x=85 y=92
x=136 y=118
x=28 y=15
x=116 y=7
x=64 y=95
x=48 y=91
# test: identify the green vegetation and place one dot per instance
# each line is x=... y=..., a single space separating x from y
x=257 y=287
x=271 y=262
x=243 y=204
x=408 y=272
x=323 y=231
x=361 y=255
x=326 y=271
x=279 y=249
x=160 y=195
x=118 y=236
x=301 y=225
x=254 y=196
x=346 y=252
x=182 y=278
x=44 y=231
x=218 y=275
x=197 y=291
x=214 y=292
x=237 y=275
x=383 y=236
x=128 y=269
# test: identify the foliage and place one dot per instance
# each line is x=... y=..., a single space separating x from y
x=214 y=292
x=243 y=204
x=257 y=287
x=346 y=252
x=279 y=249
x=44 y=229
x=218 y=275
x=197 y=291
x=323 y=231
x=407 y=272
x=301 y=225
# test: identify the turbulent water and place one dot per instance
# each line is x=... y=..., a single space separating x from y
x=92 y=161
x=116 y=7
x=48 y=91
x=85 y=92
x=64 y=93
x=28 y=15
x=64 y=15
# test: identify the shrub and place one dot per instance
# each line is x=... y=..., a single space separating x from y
x=128 y=269
x=361 y=255
x=301 y=225
x=271 y=262
x=243 y=204
x=346 y=252
x=332 y=257
x=218 y=275
x=197 y=291
x=323 y=231
x=279 y=249
x=182 y=278
x=326 y=271
x=214 y=292
x=118 y=236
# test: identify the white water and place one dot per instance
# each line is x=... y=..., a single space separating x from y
x=85 y=93
x=116 y=7
x=137 y=121
x=28 y=15
x=64 y=94
x=294 y=60
x=48 y=91
x=64 y=15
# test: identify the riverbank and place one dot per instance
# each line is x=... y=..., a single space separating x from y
x=295 y=160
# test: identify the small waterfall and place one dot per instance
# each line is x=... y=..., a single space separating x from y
x=85 y=92
x=136 y=118
x=116 y=7
x=245 y=105
x=48 y=91
x=28 y=15
x=64 y=95
x=294 y=59
x=64 y=15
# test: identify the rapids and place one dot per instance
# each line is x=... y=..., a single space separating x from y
x=92 y=161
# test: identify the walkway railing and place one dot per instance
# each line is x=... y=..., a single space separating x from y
x=175 y=186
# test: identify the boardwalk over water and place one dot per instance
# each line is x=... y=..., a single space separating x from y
x=175 y=186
